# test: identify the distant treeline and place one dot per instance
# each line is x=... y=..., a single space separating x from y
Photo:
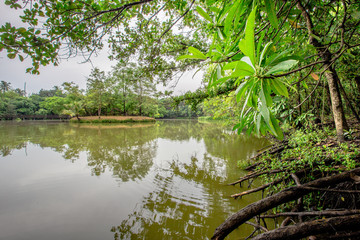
x=68 y=100
x=35 y=117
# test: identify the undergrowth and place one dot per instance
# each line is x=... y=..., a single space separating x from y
x=311 y=154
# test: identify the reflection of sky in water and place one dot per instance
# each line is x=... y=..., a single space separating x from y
x=170 y=150
x=179 y=194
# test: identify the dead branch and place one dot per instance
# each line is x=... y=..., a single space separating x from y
x=256 y=189
x=256 y=174
x=257 y=226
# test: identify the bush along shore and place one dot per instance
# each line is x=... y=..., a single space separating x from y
x=112 y=119
x=311 y=188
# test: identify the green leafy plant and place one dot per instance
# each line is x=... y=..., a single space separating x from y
x=253 y=72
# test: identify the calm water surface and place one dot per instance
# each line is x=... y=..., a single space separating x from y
x=145 y=181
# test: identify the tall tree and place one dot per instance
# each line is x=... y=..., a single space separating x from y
x=123 y=79
x=96 y=88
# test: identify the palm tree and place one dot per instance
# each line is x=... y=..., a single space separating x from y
x=4 y=86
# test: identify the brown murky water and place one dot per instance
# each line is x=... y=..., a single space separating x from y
x=145 y=181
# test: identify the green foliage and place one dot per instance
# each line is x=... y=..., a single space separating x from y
x=123 y=91
x=313 y=150
x=253 y=77
x=133 y=30
x=54 y=105
x=249 y=47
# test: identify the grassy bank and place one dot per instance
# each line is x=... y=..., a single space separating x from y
x=112 y=119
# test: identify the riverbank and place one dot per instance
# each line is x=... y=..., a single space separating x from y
x=112 y=119
x=310 y=184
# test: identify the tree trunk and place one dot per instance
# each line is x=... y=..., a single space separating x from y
x=336 y=103
x=357 y=80
x=330 y=74
x=124 y=102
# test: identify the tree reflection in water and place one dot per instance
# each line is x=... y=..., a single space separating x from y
x=187 y=197
x=183 y=206
x=125 y=150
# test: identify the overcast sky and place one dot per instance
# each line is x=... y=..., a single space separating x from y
x=13 y=71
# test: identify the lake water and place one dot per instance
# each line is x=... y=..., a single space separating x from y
x=143 y=181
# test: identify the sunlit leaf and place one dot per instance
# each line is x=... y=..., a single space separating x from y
x=203 y=13
x=196 y=52
x=230 y=17
x=264 y=52
x=247 y=45
x=182 y=57
x=230 y=65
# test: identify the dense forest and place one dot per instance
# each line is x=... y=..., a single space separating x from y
x=270 y=66
x=114 y=93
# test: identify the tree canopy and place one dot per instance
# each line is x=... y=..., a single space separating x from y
x=264 y=48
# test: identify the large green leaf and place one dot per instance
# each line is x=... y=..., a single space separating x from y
x=282 y=59
x=262 y=55
x=258 y=123
x=282 y=66
x=230 y=17
x=279 y=87
x=196 y=52
x=230 y=65
x=242 y=69
x=248 y=61
x=270 y=10
x=182 y=57
x=265 y=112
x=274 y=58
x=267 y=92
x=241 y=90
x=278 y=131
x=203 y=13
x=259 y=44
x=247 y=45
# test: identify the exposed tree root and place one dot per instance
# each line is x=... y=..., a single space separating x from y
x=301 y=230
x=284 y=196
x=314 y=213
